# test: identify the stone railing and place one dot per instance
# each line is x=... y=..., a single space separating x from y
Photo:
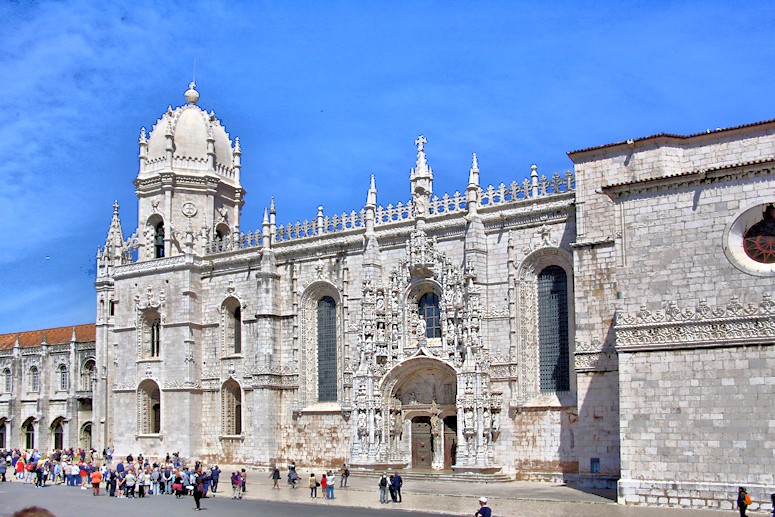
x=533 y=188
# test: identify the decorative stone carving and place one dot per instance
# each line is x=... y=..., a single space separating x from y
x=698 y=326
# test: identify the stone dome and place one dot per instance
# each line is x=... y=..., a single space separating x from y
x=189 y=126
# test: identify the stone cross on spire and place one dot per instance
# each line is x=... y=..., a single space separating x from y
x=420 y=143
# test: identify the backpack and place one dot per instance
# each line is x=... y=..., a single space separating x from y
x=747 y=498
x=383 y=482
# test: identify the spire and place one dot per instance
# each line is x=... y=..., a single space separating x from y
x=473 y=175
x=272 y=220
x=73 y=337
x=371 y=197
x=421 y=181
x=143 y=141
x=114 y=243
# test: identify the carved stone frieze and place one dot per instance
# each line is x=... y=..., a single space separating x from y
x=702 y=325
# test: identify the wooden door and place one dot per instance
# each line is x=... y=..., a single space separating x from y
x=422 y=452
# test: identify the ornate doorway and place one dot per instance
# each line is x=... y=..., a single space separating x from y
x=422 y=442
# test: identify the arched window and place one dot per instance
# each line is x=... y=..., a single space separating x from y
x=88 y=375
x=158 y=240
x=64 y=378
x=231 y=404
x=7 y=380
x=151 y=334
x=232 y=326
x=2 y=434
x=149 y=407
x=28 y=430
x=326 y=349
x=34 y=379
x=553 y=336
x=58 y=430
x=429 y=312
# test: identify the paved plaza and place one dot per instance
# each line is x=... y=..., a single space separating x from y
x=361 y=498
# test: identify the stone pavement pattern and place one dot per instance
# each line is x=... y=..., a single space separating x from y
x=513 y=499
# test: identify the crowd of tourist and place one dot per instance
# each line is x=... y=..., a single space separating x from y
x=126 y=478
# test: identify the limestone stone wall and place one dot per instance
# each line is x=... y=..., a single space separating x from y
x=696 y=424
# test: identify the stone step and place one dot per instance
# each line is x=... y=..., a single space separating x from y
x=444 y=475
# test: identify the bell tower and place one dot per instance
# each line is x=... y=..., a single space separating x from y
x=189 y=180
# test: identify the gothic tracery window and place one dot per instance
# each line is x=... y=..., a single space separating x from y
x=553 y=335
x=231 y=406
x=34 y=379
x=326 y=327
x=232 y=326
x=428 y=305
x=57 y=429
x=151 y=334
x=7 y=380
x=28 y=430
x=149 y=407
x=64 y=378
x=88 y=375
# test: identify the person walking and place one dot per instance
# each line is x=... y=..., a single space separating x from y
x=383 y=489
x=313 y=486
x=236 y=485
x=743 y=500
x=215 y=472
x=244 y=477
x=275 y=475
x=324 y=486
x=345 y=474
x=397 y=484
x=198 y=492
x=96 y=479
x=484 y=510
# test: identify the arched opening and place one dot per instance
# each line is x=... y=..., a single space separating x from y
x=151 y=329
x=158 y=240
x=64 y=378
x=425 y=390
x=34 y=379
x=58 y=432
x=28 y=432
x=86 y=436
x=3 y=424
x=231 y=404
x=222 y=231
x=327 y=349
x=554 y=348
x=149 y=407
x=7 y=380
x=232 y=326
x=88 y=375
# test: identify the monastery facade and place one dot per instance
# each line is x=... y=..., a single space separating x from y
x=610 y=325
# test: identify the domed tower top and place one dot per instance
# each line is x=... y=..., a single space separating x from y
x=189 y=174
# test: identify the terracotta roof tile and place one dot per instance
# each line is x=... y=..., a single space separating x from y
x=56 y=336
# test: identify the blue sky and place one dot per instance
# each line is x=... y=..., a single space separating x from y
x=323 y=94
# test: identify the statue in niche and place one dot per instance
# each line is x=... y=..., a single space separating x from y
x=380 y=302
x=361 y=423
x=468 y=417
x=486 y=420
x=496 y=421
